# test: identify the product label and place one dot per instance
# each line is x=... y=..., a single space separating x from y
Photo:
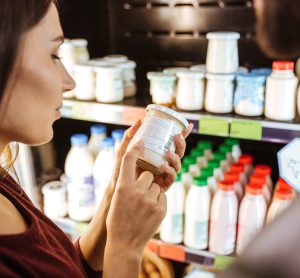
x=158 y=134
x=214 y=126
x=246 y=130
x=177 y=224
x=80 y=191
x=201 y=229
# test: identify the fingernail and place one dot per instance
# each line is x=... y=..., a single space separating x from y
x=181 y=138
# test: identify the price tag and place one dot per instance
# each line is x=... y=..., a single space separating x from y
x=172 y=252
x=246 y=130
x=214 y=126
x=222 y=262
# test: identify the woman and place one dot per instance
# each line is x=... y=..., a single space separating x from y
x=32 y=80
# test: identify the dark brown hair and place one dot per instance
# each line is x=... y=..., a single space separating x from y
x=16 y=18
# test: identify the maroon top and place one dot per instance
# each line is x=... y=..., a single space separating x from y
x=41 y=251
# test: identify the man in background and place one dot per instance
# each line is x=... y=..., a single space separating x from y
x=275 y=253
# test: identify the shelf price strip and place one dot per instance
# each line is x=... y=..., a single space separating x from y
x=214 y=126
x=246 y=130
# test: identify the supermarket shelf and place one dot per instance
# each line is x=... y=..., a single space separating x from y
x=174 y=252
x=125 y=113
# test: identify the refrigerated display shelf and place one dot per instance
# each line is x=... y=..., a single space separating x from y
x=125 y=113
x=175 y=252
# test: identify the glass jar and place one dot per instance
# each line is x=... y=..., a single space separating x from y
x=162 y=88
x=190 y=90
x=158 y=130
x=109 y=84
x=249 y=94
x=85 y=82
x=129 y=78
x=81 y=50
x=281 y=92
x=219 y=93
x=222 y=53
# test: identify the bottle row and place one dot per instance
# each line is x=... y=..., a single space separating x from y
x=108 y=79
x=220 y=201
x=88 y=170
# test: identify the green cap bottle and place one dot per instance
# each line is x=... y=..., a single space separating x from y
x=232 y=142
x=225 y=149
x=197 y=153
x=213 y=164
x=219 y=156
x=200 y=181
x=207 y=172
x=204 y=145
x=189 y=160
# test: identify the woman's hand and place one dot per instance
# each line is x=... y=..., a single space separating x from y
x=137 y=209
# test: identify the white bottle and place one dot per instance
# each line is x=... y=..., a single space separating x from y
x=103 y=168
x=201 y=159
x=266 y=171
x=216 y=165
x=282 y=200
x=79 y=172
x=212 y=183
x=234 y=177
x=171 y=229
x=247 y=161
x=117 y=135
x=197 y=214
x=252 y=216
x=98 y=133
x=262 y=181
x=223 y=220
x=194 y=168
x=281 y=92
x=186 y=177
x=240 y=169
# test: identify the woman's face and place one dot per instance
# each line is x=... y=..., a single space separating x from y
x=33 y=96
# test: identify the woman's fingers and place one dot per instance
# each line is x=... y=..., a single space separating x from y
x=174 y=160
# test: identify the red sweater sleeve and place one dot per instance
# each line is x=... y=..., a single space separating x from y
x=91 y=273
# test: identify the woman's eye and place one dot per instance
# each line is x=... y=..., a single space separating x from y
x=56 y=57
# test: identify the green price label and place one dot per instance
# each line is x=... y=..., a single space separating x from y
x=222 y=262
x=246 y=130
x=214 y=126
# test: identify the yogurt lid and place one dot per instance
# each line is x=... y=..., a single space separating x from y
x=220 y=76
x=80 y=42
x=54 y=187
x=251 y=77
x=190 y=74
x=199 y=68
x=107 y=68
x=117 y=58
x=242 y=70
x=86 y=66
x=223 y=36
x=168 y=111
x=154 y=75
x=126 y=65
x=175 y=70
x=67 y=44
x=98 y=62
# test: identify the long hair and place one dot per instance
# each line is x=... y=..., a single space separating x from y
x=16 y=18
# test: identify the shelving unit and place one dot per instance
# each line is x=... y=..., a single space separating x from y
x=174 y=252
x=125 y=113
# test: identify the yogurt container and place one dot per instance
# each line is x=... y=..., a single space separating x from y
x=158 y=130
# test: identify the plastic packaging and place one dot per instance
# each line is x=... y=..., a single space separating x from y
x=98 y=133
x=236 y=149
x=219 y=93
x=79 y=175
x=158 y=130
x=222 y=53
x=281 y=92
x=249 y=95
x=225 y=166
x=252 y=216
x=197 y=215
x=247 y=161
x=116 y=58
x=191 y=162
x=171 y=230
x=266 y=171
x=201 y=159
x=261 y=181
x=207 y=147
x=211 y=180
x=223 y=220
x=216 y=165
x=227 y=150
x=186 y=177
x=118 y=135
x=85 y=82
x=240 y=169
x=190 y=90
x=234 y=178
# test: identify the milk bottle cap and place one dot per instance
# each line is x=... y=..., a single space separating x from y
x=254 y=189
x=232 y=176
x=79 y=139
x=225 y=149
x=107 y=142
x=204 y=145
x=197 y=153
x=207 y=172
x=178 y=177
x=246 y=159
x=189 y=160
x=219 y=156
x=184 y=169
x=200 y=181
x=232 y=142
x=283 y=194
x=283 y=184
x=258 y=179
x=237 y=167
x=214 y=163
x=263 y=169
x=98 y=129
x=118 y=134
x=225 y=185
